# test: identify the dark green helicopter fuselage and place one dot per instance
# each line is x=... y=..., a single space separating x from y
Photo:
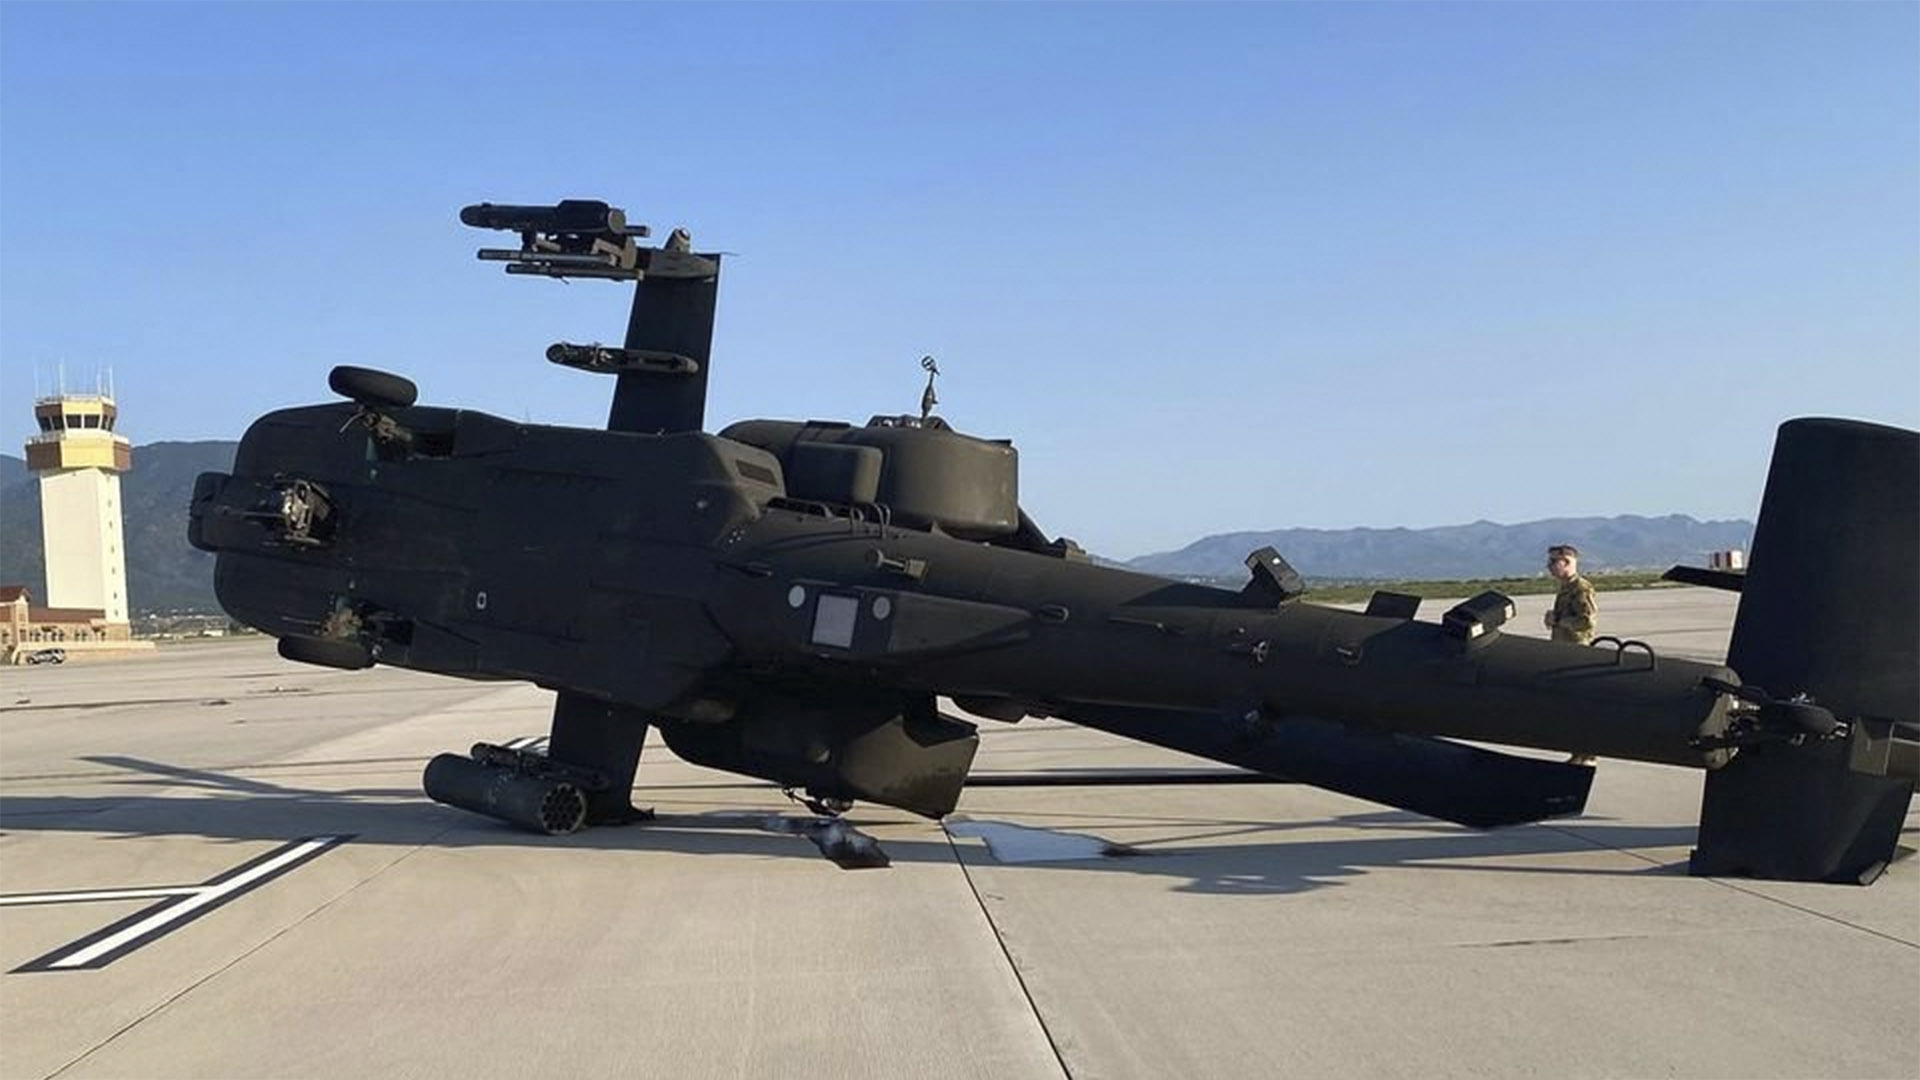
x=677 y=576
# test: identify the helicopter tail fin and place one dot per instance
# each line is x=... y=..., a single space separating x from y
x=1829 y=609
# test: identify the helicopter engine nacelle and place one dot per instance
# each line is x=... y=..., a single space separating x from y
x=924 y=473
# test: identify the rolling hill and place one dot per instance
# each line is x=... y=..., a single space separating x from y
x=164 y=573
x=1482 y=549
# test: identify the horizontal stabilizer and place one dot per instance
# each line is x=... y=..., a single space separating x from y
x=1730 y=580
x=1463 y=784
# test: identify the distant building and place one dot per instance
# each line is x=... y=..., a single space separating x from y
x=23 y=626
x=79 y=458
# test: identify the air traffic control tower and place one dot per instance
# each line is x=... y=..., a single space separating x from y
x=79 y=459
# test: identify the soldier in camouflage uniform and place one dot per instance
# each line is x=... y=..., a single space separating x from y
x=1572 y=615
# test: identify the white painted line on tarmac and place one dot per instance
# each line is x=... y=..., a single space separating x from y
x=182 y=905
x=23 y=899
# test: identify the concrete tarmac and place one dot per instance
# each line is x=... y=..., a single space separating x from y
x=214 y=863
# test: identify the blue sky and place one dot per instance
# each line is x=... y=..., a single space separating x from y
x=1211 y=267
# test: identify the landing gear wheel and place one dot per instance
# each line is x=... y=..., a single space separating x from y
x=327 y=652
x=374 y=389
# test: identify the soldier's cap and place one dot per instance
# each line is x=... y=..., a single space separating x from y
x=1568 y=550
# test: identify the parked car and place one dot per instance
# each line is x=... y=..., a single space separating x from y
x=47 y=656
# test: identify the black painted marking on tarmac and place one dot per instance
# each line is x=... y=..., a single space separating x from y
x=180 y=905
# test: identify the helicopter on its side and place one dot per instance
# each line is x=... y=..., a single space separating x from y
x=789 y=600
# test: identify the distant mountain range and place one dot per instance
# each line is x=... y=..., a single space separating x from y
x=165 y=574
x=1483 y=549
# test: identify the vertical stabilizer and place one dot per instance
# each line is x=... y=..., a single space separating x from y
x=1830 y=609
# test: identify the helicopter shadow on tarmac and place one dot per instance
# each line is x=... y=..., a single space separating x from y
x=1220 y=855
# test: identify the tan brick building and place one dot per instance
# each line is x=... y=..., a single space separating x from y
x=24 y=628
